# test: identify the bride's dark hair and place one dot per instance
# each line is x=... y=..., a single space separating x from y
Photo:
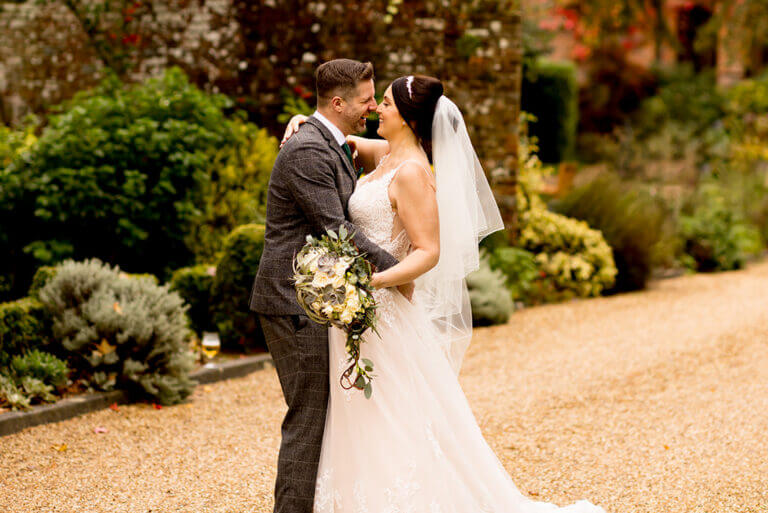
x=416 y=97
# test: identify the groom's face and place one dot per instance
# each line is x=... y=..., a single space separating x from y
x=358 y=106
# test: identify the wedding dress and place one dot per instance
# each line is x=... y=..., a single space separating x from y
x=415 y=445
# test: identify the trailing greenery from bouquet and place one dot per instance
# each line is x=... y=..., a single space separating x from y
x=116 y=330
x=332 y=280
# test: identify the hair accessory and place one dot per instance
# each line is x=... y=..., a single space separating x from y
x=408 y=82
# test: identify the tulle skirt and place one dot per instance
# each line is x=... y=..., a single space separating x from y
x=415 y=445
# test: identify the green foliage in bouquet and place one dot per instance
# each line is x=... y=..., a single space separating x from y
x=629 y=219
x=490 y=299
x=119 y=173
x=236 y=191
x=715 y=233
x=238 y=328
x=34 y=376
x=574 y=260
x=24 y=325
x=120 y=331
x=332 y=281
x=195 y=285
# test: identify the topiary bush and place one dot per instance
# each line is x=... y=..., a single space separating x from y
x=629 y=219
x=238 y=327
x=550 y=93
x=119 y=173
x=119 y=331
x=25 y=324
x=715 y=234
x=490 y=299
x=195 y=285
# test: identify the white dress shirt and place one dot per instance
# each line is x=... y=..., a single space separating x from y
x=337 y=134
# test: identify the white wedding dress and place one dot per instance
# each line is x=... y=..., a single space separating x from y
x=415 y=445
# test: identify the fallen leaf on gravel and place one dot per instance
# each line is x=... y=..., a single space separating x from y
x=60 y=448
x=99 y=429
x=114 y=407
x=157 y=406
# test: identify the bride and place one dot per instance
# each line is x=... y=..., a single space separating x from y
x=415 y=445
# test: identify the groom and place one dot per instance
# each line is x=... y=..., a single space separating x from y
x=312 y=180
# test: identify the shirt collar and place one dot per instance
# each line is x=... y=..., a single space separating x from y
x=337 y=134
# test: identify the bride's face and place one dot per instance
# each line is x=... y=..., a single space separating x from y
x=390 y=120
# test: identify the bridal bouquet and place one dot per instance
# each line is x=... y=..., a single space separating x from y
x=332 y=280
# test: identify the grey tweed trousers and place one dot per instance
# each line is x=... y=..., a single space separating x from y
x=299 y=349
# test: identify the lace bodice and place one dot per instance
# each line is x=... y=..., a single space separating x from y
x=371 y=211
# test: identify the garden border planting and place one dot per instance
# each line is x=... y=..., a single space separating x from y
x=14 y=421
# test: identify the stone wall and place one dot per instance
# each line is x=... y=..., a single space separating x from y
x=256 y=50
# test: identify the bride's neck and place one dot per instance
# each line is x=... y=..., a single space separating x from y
x=403 y=145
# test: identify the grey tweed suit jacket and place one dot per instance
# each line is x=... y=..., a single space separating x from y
x=309 y=188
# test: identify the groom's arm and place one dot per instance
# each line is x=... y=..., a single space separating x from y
x=313 y=186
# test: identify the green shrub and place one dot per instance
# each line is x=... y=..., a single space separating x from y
x=573 y=259
x=629 y=219
x=42 y=276
x=236 y=192
x=42 y=366
x=238 y=327
x=195 y=286
x=32 y=377
x=118 y=331
x=118 y=174
x=519 y=267
x=550 y=94
x=491 y=301
x=24 y=325
x=716 y=236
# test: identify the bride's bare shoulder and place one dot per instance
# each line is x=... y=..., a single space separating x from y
x=414 y=174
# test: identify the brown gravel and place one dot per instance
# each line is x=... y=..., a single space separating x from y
x=645 y=402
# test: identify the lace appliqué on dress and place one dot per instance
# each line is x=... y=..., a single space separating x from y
x=327 y=499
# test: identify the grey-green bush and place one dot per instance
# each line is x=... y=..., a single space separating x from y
x=491 y=300
x=120 y=331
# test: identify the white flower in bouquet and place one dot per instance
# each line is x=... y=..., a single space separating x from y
x=332 y=280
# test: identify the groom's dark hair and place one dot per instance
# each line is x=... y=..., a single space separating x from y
x=340 y=77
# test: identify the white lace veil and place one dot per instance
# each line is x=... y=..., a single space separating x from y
x=468 y=212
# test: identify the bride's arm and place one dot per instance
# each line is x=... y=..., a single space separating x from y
x=369 y=151
x=413 y=194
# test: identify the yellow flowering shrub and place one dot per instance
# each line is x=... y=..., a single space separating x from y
x=574 y=260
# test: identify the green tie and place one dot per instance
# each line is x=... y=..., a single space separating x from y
x=348 y=151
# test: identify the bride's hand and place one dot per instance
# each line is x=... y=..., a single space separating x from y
x=376 y=281
x=293 y=127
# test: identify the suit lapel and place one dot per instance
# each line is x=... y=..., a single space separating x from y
x=334 y=145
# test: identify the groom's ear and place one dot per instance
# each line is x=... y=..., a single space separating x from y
x=337 y=103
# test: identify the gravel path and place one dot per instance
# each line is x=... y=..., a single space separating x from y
x=647 y=402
